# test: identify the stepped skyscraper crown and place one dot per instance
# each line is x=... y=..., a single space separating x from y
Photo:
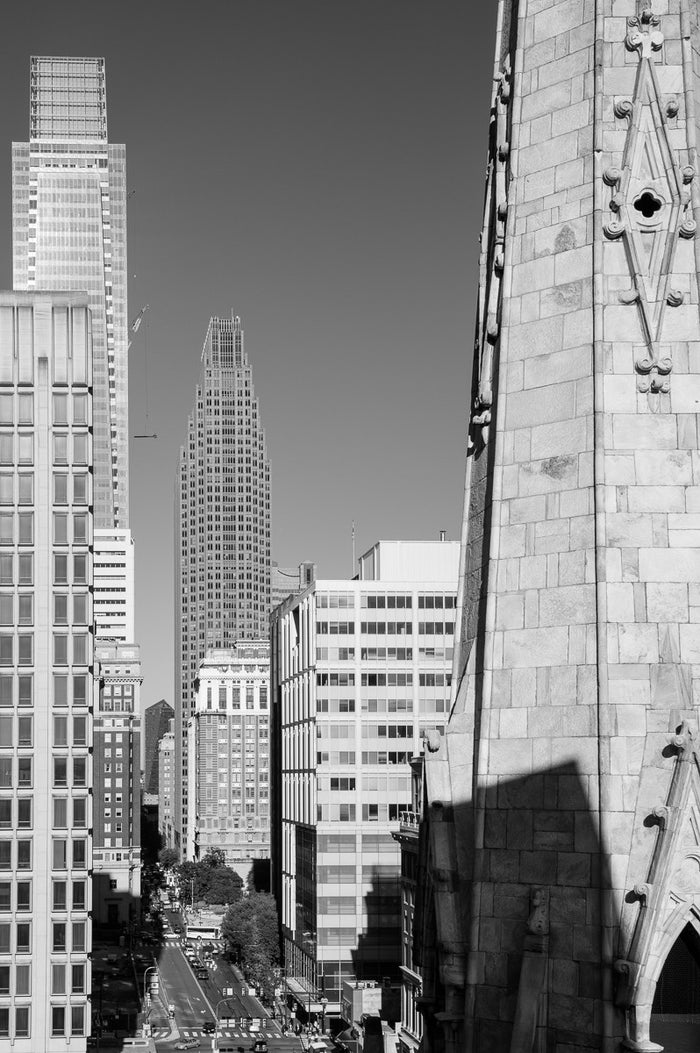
x=222 y=529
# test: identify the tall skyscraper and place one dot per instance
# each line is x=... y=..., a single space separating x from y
x=360 y=671
x=46 y=679
x=69 y=232
x=222 y=529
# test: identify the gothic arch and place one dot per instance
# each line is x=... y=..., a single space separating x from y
x=669 y=897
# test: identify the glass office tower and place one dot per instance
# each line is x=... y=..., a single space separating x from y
x=69 y=232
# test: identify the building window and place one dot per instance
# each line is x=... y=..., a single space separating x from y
x=79 y=895
x=21 y=1013
x=24 y=855
x=77 y=1020
x=78 y=936
x=59 y=895
x=26 y=488
x=58 y=1018
x=24 y=813
x=25 y=648
x=24 y=895
x=58 y=942
x=24 y=937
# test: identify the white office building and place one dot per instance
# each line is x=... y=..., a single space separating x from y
x=228 y=738
x=46 y=680
x=360 y=671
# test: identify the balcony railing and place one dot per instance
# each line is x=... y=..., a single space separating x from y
x=409 y=820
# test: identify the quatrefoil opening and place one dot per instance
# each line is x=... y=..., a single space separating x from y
x=648 y=204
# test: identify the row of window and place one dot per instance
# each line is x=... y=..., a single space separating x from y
x=16 y=528
x=371 y=813
x=22 y=979
x=22 y=898
x=24 y=492
x=23 y=818
x=22 y=853
x=19 y=734
x=20 y=1017
x=18 y=649
x=18 y=448
x=60 y=901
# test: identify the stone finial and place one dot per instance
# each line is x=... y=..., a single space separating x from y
x=643 y=34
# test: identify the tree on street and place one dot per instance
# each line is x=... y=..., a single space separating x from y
x=250 y=929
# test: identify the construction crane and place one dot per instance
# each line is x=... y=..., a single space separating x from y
x=136 y=324
x=134 y=328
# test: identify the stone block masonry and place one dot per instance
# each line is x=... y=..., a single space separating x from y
x=563 y=805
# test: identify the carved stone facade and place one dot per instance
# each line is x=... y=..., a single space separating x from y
x=560 y=847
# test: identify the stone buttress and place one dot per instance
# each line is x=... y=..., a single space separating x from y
x=561 y=844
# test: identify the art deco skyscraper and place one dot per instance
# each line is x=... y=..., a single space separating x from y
x=69 y=232
x=222 y=528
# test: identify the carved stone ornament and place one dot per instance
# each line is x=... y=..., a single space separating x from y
x=666 y=898
x=650 y=207
x=492 y=263
x=538 y=920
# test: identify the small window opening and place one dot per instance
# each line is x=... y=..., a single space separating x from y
x=648 y=204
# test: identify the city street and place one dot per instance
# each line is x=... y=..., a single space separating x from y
x=196 y=1002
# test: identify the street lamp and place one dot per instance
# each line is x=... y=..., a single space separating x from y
x=150 y=969
x=222 y=1001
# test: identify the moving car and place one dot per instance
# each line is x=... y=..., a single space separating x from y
x=188 y=1043
x=208 y=1027
x=259 y=1046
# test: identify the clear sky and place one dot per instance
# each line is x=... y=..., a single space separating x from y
x=318 y=167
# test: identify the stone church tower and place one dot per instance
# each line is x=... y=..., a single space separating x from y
x=560 y=848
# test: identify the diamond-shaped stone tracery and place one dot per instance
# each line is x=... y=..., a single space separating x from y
x=651 y=195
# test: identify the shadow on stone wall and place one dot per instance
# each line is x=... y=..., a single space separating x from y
x=538 y=900
x=378 y=953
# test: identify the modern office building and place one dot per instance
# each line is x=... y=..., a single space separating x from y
x=360 y=671
x=69 y=232
x=166 y=786
x=117 y=812
x=289 y=581
x=228 y=739
x=114 y=585
x=46 y=661
x=222 y=530
x=157 y=719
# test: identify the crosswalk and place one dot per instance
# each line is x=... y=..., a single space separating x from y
x=164 y=1032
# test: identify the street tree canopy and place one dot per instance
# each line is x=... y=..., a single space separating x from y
x=250 y=929
x=208 y=881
